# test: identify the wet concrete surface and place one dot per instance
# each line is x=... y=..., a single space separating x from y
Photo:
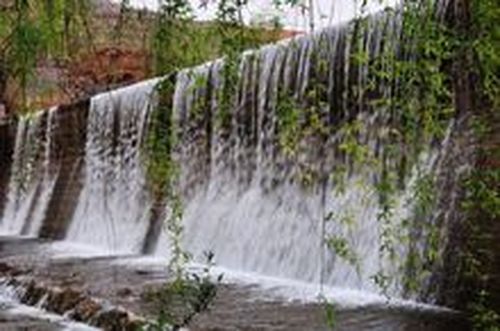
x=122 y=281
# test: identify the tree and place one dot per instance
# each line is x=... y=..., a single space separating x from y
x=30 y=30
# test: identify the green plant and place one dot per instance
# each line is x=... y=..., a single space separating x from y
x=163 y=172
x=183 y=298
x=330 y=313
x=483 y=316
x=31 y=30
x=411 y=86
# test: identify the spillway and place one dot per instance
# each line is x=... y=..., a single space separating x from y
x=77 y=173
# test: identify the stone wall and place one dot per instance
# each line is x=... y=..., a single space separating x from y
x=446 y=284
x=487 y=217
x=67 y=158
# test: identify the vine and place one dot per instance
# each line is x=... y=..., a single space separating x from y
x=409 y=87
x=233 y=37
x=482 y=202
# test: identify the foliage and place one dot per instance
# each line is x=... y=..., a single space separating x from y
x=30 y=30
x=288 y=124
x=341 y=247
x=43 y=34
x=486 y=33
x=419 y=262
x=330 y=313
x=482 y=202
x=412 y=86
x=482 y=207
x=407 y=87
x=179 y=301
x=483 y=317
x=171 y=21
x=163 y=172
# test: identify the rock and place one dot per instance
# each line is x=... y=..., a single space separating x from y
x=76 y=305
x=112 y=320
x=63 y=300
x=12 y=282
x=33 y=293
x=85 y=310
x=134 y=323
x=117 y=319
x=124 y=292
x=143 y=272
x=5 y=269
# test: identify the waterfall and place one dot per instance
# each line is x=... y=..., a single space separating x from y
x=256 y=207
x=112 y=209
x=32 y=179
x=246 y=201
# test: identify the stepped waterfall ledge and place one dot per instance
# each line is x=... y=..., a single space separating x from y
x=268 y=146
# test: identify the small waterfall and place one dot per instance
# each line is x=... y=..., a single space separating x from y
x=15 y=312
x=112 y=211
x=32 y=178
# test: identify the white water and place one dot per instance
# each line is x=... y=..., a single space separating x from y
x=244 y=201
x=12 y=310
x=32 y=179
x=112 y=210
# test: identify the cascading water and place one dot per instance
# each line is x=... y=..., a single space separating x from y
x=255 y=207
x=260 y=210
x=112 y=211
x=32 y=178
